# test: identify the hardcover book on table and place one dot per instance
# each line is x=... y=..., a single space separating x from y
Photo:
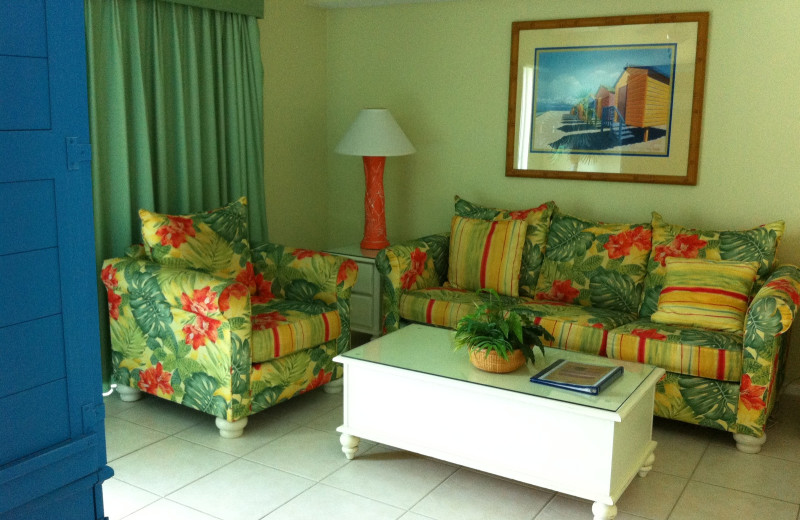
x=579 y=377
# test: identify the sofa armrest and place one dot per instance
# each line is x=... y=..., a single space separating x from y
x=416 y=264
x=182 y=334
x=770 y=314
x=774 y=306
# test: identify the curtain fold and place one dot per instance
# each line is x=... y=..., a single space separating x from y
x=176 y=112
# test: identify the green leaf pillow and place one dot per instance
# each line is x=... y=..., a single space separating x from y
x=594 y=264
x=214 y=241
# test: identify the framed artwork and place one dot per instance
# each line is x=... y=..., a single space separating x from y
x=611 y=99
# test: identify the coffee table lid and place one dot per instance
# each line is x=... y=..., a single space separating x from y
x=430 y=350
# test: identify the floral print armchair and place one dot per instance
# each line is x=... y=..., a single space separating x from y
x=200 y=319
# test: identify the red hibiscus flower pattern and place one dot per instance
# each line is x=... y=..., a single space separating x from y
x=236 y=290
x=561 y=291
x=113 y=304
x=175 y=233
x=683 y=246
x=522 y=215
x=154 y=379
x=306 y=253
x=320 y=379
x=267 y=320
x=751 y=395
x=202 y=302
x=109 y=277
x=418 y=259
x=787 y=287
x=620 y=245
x=203 y=328
x=348 y=266
x=648 y=334
x=263 y=290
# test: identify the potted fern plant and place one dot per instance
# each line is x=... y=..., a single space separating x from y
x=499 y=338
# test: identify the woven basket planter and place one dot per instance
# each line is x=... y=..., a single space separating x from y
x=495 y=363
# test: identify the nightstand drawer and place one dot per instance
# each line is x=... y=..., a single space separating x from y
x=361 y=312
x=364 y=283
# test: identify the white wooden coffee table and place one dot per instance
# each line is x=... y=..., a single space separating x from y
x=410 y=390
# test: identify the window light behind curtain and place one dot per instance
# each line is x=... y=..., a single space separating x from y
x=175 y=108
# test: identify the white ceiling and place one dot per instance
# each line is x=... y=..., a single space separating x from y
x=333 y=4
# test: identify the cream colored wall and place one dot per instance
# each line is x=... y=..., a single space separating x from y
x=293 y=52
x=442 y=69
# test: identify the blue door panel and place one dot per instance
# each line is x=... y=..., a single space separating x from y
x=51 y=472
x=35 y=341
x=38 y=427
x=52 y=454
x=22 y=29
x=28 y=216
x=24 y=93
x=30 y=286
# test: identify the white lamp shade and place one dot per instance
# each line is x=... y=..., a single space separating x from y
x=375 y=133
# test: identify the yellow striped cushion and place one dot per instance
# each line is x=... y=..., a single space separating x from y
x=486 y=254
x=280 y=333
x=712 y=294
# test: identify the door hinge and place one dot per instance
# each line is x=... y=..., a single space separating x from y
x=77 y=153
x=93 y=413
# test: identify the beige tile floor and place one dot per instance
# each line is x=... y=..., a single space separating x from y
x=169 y=462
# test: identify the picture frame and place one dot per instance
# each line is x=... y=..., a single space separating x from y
x=607 y=99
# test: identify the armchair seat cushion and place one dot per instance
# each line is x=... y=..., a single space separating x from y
x=282 y=327
x=683 y=350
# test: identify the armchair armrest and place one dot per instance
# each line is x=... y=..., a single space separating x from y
x=408 y=266
x=770 y=314
x=305 y=275
x=181 y=334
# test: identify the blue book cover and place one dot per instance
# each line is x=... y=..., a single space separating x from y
x=579 y=377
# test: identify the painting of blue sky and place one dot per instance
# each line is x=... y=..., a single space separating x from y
x=566 y=75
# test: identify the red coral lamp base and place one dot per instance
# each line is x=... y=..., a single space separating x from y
x=374 y=212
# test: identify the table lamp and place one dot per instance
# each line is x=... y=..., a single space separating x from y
x=374 y=135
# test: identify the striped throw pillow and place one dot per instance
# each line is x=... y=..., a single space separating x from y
x=486 y=254
x=712 y=294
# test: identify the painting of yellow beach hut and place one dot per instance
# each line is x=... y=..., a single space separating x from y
x=603 y=100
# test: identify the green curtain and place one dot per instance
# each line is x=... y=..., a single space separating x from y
x=175 y=108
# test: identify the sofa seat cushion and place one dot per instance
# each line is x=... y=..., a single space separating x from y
x=682 y=350
x=282 y=327
x=439 y=306
x=574 y=327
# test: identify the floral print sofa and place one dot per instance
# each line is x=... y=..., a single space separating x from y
x=596 y=288
x=200 y=319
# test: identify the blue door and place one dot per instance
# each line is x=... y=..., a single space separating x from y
x=52 y=441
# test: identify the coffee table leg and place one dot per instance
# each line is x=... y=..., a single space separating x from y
x=349 y=445
x=603 y=511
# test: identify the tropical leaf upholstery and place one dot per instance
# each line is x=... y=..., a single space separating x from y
x=228 y=345
x=598 y=287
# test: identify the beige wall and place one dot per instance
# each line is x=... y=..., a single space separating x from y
x=442 y=69
x=293 y=51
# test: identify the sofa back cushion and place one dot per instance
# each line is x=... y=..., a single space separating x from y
x=710 y=294
x=486 y=255
x=538 y=220
x=214 y=241
x=753 y=245
x=594 y=264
